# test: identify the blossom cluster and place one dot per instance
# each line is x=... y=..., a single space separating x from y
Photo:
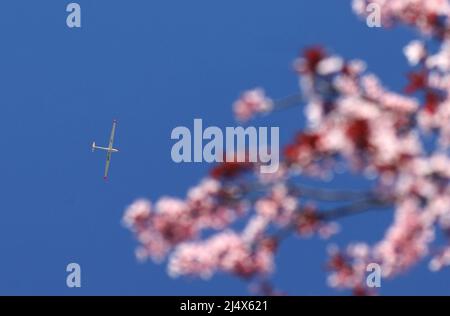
x=400 y=140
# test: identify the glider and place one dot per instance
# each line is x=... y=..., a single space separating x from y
x=109 y=150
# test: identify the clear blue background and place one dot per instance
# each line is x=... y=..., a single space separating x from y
x=153 y=65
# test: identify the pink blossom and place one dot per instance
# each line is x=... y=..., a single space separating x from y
x=279 y=206
x=251 y=103
x=415 y=52
x=407 y=240
x=348 y=268
x=137 y=214
x=226 y=252
x=441 y=260
x=330 y=65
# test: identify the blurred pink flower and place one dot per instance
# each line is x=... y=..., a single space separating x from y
x=251 y=103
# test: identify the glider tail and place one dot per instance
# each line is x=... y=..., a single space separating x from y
x=93 y=147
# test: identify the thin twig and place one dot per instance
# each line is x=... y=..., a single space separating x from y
x=288 y=101
x=330 y=195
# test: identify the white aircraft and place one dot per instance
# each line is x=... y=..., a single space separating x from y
x=109 y=150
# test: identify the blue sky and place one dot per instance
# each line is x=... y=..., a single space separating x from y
x=153 y=65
